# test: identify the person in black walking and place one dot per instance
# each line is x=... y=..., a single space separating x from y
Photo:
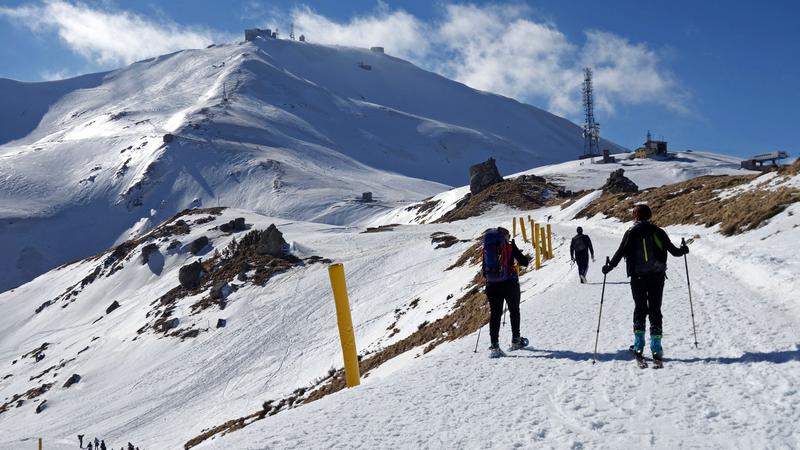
x=89 y=447
x=80 y=440
x=502 y=285
x=644 y=247
x=579 y=250
x=103 y=445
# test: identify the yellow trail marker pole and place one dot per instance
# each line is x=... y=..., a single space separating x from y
x=40 y=443
x=549 y=241
x=513 y=227
x=522 y=228
x=536 y=247
x=346 y=335
x=543 y=242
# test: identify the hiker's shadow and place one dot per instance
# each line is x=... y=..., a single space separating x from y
x=621 y=355
x=777 y=357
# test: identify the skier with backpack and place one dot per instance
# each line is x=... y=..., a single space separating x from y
x=579 y=250
x=645 y=247
x=502 y=285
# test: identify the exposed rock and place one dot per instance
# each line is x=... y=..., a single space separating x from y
x=271 y=242
x=114 y=305
x=234 y=225
x=148 y=250
x=174 y=244
x=198 y=244
x=221 y=323
x=41 y=406
x=171 y=323
x=168 y=138
x=190 y=274
x=219 y=290
x=483 y=175
x=72 y=380
x=618 y=183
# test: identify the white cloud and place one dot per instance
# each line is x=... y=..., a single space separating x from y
x=504 y=49
x=398 y=30
x=106 y=37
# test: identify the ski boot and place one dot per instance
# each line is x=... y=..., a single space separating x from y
x=518 y=343
x=655 y=347
x=638 y=342
x=495 y=351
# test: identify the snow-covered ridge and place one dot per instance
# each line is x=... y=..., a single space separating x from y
x=284 y=128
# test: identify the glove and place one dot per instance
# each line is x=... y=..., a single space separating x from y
x=685 y=249
x=606 y=269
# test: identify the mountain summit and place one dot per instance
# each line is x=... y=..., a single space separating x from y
x=284 y=128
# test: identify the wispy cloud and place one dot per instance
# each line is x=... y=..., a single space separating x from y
x=105 y=36
x=506 y=49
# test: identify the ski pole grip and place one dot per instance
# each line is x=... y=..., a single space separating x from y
x=608 y=260
x=683 y=241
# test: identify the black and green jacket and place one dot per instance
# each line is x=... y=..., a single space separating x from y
x=645 y=247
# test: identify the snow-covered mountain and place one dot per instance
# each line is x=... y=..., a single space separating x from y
x=157 y=371
x=284 y=128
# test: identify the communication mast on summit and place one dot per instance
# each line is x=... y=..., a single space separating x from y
x=591 y=129
x=291 y=31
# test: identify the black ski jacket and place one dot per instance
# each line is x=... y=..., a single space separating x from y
x=633 y=235
x=587 y=244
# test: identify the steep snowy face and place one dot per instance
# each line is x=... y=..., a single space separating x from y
x=284 y=128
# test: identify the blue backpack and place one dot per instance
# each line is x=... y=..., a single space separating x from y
x=497 y=259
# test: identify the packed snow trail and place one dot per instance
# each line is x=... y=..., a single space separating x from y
x=737 y=390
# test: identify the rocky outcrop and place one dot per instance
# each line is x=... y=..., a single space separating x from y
x=189 y=275
x=148 y=250
x=198 y=244
x=618 y=183
x=72 y=380
x=483 y=175
x=234 y=225
x=271 y=242
x=114 y=305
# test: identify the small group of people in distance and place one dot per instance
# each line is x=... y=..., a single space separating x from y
x=100 y=444
x=644 y=247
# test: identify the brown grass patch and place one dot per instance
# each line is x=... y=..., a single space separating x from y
x=696 y=201
x=524 y=192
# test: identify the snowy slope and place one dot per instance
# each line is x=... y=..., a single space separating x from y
x=738 y=389
x=288 y=129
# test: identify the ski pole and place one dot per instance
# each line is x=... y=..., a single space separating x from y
x=479 y=338
x=689 y=285
x=602 y=294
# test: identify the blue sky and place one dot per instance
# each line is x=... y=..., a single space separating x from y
x=708 y=75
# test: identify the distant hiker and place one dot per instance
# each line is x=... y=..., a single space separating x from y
x=502 y=284
x=103 y=445
x=80 y=440
x=645 y=247
x=89 y=446
x=130 y=446
x=579 y=250
x=96 y=443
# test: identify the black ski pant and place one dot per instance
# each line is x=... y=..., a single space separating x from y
x=497 y=293
x=582 y=259
x=647 y=292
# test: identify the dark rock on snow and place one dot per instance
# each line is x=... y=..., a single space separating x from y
x=198 y=244
x=72 y=380
x=190 y=274
x=483 y=175
x=618 y=183
x=271 y=242
x=114 y=305
x=236 y=224
x=148 y=250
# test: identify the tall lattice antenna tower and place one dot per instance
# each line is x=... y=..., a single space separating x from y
x=591 y=129
x=291 y=32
